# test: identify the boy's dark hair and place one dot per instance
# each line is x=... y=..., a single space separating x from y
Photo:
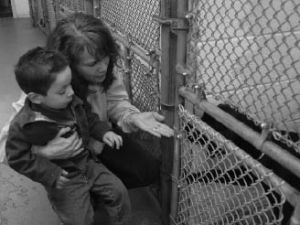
x=36 y=69
x=79 y=31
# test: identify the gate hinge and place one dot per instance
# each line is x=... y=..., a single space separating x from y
x=176 y=24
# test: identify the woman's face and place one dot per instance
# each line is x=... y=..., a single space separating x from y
x=93 y=70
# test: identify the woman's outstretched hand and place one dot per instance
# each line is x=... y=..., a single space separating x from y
x=151 y=123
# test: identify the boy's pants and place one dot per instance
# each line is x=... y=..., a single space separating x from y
x=73 y=203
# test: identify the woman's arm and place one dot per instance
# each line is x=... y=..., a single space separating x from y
x=60 y=147
x=128 y=117
x=119 y=108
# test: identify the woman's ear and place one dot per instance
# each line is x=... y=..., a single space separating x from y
x=35 y=98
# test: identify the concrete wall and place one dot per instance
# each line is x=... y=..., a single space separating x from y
x=20 y=8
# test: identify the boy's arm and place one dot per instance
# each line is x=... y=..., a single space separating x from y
x=33 y=166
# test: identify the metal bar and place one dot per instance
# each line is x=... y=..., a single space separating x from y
x=167 y=98
x=182 y=7
x=272 y=150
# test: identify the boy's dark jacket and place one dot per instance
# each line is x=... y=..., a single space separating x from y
x=25 y=131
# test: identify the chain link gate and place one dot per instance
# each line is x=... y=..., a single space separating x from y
x=237 y=157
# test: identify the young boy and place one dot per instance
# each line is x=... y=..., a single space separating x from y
x=45 y=77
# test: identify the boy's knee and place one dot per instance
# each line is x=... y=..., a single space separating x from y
x=119 y=192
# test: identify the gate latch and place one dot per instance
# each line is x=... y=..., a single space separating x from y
x=176 y=24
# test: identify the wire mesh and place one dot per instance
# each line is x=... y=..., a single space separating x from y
x=247 y=53
x=73 y=5
x=133 y=17
x=131 y=21
x=144 y=87
x=67 y=7
x=218 y=185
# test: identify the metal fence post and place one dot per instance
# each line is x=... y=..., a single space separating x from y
x=173 y=33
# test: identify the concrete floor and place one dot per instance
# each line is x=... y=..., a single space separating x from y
x=23 y=202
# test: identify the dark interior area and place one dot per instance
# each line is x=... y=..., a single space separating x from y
x=5 y=9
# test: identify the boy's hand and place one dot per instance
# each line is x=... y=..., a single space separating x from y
x=112 y=139
x=62 y=180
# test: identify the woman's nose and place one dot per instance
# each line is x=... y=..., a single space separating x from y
x=70 y=91
x=101 y=65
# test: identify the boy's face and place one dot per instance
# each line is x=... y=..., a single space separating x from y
x=60 y=92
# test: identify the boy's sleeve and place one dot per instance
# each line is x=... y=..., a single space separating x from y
x=22 y=160
x=97 y=127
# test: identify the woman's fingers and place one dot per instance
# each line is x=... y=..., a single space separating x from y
x=60 y=147
x=75 y=140
x=70 y=146
x=162 y=130
x=64 y=173
x=154 y=131
x=166 y=131
x=63 y=131
x=151 y=123
x=158 y=116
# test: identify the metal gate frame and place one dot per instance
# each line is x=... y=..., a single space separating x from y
x=174 y=22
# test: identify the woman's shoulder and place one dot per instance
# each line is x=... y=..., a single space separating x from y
x=117 y=88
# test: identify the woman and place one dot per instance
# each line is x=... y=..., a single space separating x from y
x=93 y=53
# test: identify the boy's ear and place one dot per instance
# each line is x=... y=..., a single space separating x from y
x=35 y=98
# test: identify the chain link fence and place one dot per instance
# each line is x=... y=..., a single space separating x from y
x=131 y=22
x=66 y=7
x=220 y=183
x=134 y=20
x=139 y=39
x=247 y=54
x=244 y=57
